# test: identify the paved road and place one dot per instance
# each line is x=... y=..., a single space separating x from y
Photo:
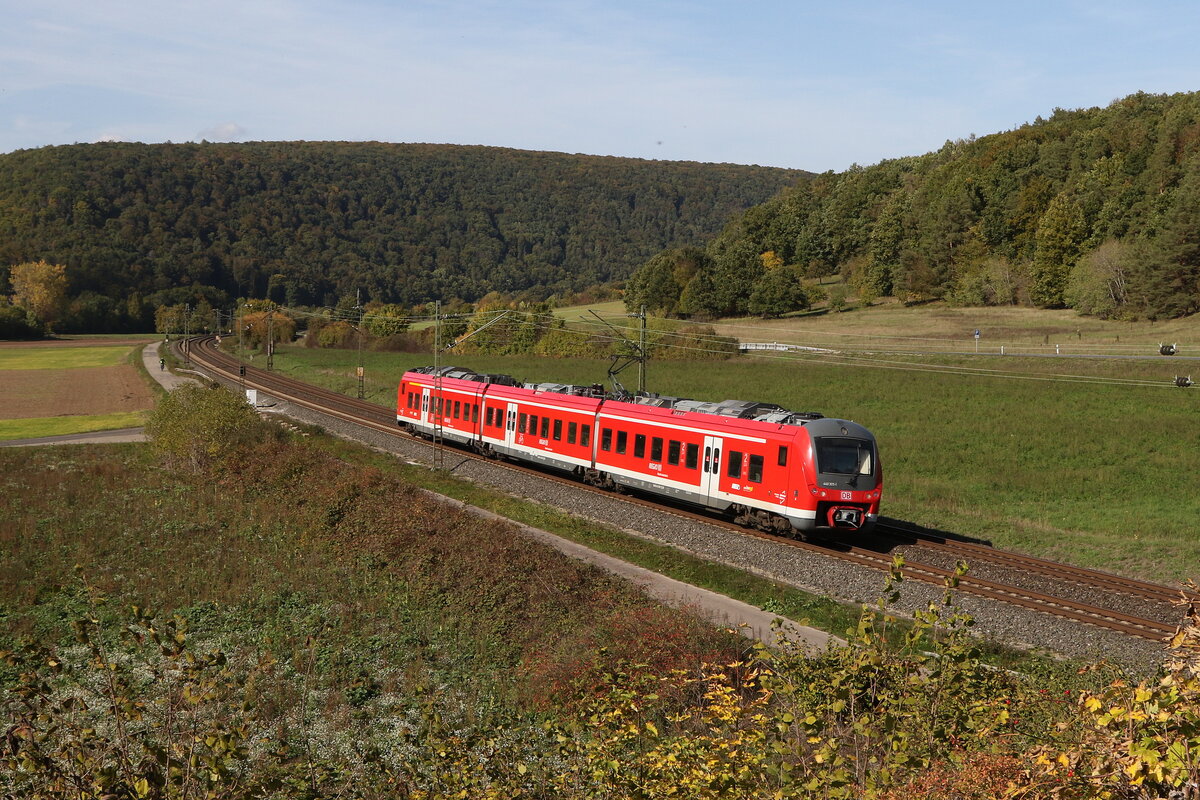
x=169 y=380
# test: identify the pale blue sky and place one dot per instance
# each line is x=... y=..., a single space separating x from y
x=810 y=85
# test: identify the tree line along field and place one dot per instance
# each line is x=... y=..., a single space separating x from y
x=1098 y=473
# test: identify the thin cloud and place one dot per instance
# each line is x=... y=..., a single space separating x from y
x=223 y=132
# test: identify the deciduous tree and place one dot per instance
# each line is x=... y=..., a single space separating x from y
x=1059 y=237
x=41 y=288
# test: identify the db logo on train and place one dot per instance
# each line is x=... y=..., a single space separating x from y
x=847 y=495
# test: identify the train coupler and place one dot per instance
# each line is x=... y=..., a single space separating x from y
x=845 y=517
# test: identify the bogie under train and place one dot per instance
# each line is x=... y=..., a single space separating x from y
x=768 y=467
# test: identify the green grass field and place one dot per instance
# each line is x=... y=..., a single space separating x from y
x=63 y=357
x=1100 y=473
x=11 y=429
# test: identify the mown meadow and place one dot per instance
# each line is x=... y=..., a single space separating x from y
x=1056 y=457
x=234 y=611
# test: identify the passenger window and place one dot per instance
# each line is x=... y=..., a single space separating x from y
x=783 y=455
x=457 y=408
x=521 y=422
x=606 y=438
x=656 y=449
x=533 y=424
x=756 y=469
x=639 y=446
x=735 y=464
x=545 y=427
x=673 y=452
x=572 y=429
x=622 y=441
x=474 y=412
x=692 y=458
x=585 y=434
x=557 y=430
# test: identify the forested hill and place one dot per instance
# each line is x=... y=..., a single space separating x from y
x=314 y=221
x=1095 y=209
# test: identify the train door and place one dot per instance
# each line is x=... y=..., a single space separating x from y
x=510 y=426
x=710 y=470
x=426 y=401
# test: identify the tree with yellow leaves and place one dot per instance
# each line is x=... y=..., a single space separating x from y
x=40 y=288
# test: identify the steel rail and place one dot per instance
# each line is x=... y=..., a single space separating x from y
x=1082 y=576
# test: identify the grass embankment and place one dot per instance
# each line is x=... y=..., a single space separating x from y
x=1055 y=457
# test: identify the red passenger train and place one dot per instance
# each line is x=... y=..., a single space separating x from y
x=768 y=467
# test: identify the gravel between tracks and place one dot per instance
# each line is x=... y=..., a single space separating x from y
x=808 y=571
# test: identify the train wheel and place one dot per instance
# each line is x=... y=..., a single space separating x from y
x=742 y=515
x=595 y=478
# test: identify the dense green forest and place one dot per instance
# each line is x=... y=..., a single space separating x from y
x=1095 y=209
x=308 y=223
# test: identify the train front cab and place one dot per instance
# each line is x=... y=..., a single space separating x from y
x=845 y=478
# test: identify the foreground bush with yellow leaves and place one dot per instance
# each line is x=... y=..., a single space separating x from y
x=159 y=718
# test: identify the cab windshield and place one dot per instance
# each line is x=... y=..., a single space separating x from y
x=845 y=457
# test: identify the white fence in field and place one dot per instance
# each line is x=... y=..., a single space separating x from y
x=746 y=347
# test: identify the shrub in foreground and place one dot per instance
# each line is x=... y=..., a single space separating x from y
x=194 y=427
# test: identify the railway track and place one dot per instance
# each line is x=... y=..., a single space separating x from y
x=1058 y=602
x=976 y=552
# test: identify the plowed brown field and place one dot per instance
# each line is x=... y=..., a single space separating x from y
x=32 y=393
x=26 y=393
